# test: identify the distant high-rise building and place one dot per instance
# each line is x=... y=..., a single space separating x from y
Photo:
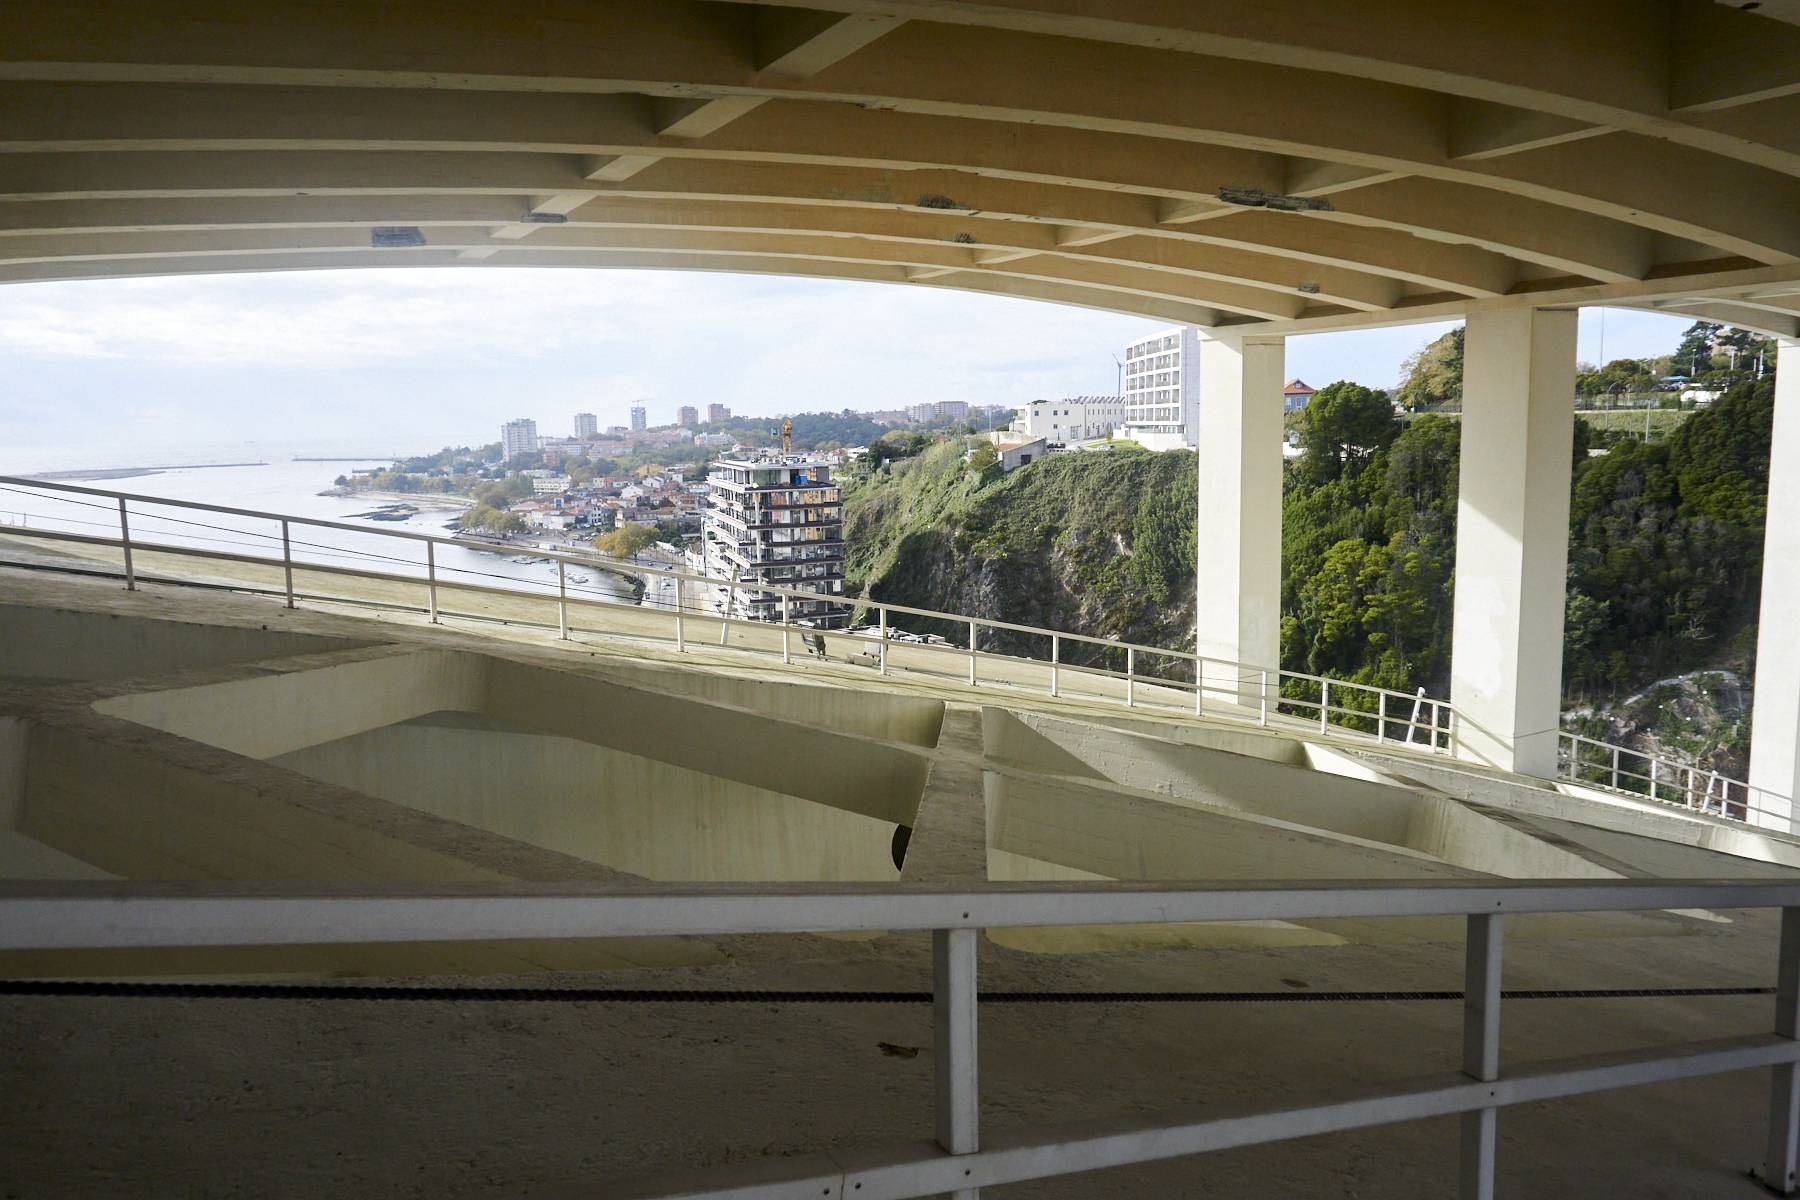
x=586 y=425
x=1162 y=389
x=639 y=419
x=687 y=416
x=939 y=410
x=717 y=414
x=519 y=437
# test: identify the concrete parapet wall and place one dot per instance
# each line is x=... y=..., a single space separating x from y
x=59 y=645
x=856 y=774
x=877 y=714
x=624 y=811
x=276 y=712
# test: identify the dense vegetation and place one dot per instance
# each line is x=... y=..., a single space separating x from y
x=1097 y=543
x=1664 y=554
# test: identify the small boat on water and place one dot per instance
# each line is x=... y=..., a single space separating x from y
x=523 y=560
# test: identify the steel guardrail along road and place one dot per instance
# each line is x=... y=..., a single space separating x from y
x=63 y=915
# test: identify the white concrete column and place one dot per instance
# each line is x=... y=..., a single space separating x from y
x=1512 y=537
x=1237 y=607
x=1775 y=722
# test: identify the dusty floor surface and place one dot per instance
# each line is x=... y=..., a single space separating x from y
x=181 y=1097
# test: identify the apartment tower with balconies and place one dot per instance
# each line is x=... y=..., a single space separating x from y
x=774 y=518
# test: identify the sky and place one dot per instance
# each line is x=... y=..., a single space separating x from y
x=395 y=361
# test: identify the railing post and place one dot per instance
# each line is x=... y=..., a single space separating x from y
x=125 y=544
x=1199 y=684
x=431 y=579
x=1481 y=1050
x=882 y=629
x=1381 y=716
x=971 y=654
x=1615 y=768
x=680 y=631
x=786 y=612
x=1779 y=1162
x=562 y=601
x=953 y=1010
x=1262 y=712
x=287 y=562
x=1055 y=662
x=1130 y=674
x=1412 y=726
x=1652 y=763
x=1324 y=703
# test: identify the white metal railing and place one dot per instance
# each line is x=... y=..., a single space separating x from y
x=1678 y=782
x=77 y=916
x=1138 y=676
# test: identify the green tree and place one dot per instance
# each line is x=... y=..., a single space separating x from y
x=1694 y=353
x=1434 y=375
x=627 y=540
x=1342 y=427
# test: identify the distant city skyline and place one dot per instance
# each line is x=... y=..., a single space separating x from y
x=409 y=360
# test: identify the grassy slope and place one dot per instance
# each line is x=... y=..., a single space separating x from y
x=1097 y=543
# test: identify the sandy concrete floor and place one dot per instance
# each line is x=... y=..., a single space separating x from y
x=158 y=1097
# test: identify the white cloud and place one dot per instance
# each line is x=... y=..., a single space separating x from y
x=411 y=359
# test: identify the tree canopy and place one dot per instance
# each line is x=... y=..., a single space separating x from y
x=626 y=541
x=1434 y=375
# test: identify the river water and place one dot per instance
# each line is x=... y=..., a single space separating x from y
x=280 y=485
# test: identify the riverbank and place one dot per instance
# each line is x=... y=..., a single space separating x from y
x=417 y=499
x=103 y=473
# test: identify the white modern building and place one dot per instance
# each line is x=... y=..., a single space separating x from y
x=939 y=410
x=1162 y=389
x=547 y=484
x=586 y=425
x=775 y=518
x=519 y=437
x=1076 y=419
x=639 y=419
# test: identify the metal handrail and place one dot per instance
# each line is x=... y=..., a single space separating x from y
x=1243 y=685
x=1680 y=783
x=89 y=915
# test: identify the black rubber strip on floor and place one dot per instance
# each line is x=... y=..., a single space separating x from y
x=337 y=991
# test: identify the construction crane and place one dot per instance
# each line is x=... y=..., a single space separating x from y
x=787 y=435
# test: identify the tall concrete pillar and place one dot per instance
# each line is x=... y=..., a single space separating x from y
x=1512 y=537
x=1775 y=723
x=1238 y=603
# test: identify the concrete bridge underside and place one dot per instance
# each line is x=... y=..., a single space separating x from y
x=1284 y=166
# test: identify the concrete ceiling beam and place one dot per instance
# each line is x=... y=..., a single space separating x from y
x=956 y=195
x=991 y=241
x=1247 y=300
x=1043 y=76
x=525 y=255
x=1660 y=65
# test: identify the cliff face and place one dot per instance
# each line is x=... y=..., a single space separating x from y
x=1100 y=543
x=1700 y=716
